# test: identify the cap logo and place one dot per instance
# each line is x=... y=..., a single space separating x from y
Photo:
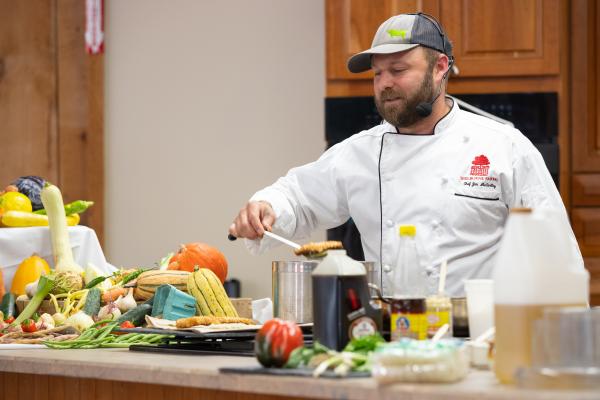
x=397 y=32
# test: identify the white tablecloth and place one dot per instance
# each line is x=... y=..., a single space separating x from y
x=16 y=244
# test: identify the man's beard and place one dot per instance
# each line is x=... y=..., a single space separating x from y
x=404 y=113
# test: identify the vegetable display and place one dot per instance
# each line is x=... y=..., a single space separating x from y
x=61 y=247
x=210 y=295
x=18 y=219
x=276 y=340
x=31 y=186
x=45 y=286
x=149 y=281
x=28 y=271
x=94 y=337
x=199 y=255
x=76 y=207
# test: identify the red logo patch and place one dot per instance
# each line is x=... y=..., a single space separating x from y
x=480 y=166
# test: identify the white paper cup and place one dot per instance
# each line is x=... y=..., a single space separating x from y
x=480 y=305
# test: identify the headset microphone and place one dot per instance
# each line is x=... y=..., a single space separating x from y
x=425 y=108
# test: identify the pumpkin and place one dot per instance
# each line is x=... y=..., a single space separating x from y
x=199 y=255
x=28 y=271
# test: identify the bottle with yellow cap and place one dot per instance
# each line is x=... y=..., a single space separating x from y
x=408 y=309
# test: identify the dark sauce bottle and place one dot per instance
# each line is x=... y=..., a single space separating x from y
x=342 y=307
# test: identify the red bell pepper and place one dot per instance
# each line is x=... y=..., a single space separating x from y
x=126 y=324
x=276 y=340
x=28 y=325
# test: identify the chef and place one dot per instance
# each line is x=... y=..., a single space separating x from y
x=451 y=173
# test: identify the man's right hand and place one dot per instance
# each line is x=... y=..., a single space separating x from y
x=253 y=220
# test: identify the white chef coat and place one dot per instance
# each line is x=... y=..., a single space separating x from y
x=456 y=186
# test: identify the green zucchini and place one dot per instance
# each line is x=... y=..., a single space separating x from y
x=92 y=302
x=137 y=315
x=8 y=305
x=76 y=207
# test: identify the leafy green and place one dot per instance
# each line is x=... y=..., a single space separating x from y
x=364 y=344
x=354 y=357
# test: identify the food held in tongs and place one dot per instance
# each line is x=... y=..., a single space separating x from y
x=317 y=249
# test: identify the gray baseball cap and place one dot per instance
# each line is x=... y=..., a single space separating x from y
x=400 y=33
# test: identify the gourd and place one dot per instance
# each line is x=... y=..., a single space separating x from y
x=17 y=219
x=28 y=271
x=61 y=247
x=199 y=255
x=149 y=281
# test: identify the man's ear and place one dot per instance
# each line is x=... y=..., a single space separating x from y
x=443 y=65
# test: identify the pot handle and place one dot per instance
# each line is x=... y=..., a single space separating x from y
x=378 y=291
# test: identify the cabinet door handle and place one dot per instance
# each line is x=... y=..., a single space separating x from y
x=454 y=70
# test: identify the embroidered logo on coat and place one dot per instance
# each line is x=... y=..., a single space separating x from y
x=480 y=166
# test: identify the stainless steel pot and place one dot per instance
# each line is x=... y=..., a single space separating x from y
x=292 y=288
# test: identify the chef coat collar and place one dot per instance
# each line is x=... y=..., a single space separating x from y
x=440 y=127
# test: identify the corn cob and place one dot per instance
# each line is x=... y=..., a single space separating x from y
x=219 y=291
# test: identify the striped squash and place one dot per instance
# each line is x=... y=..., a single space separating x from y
x=149 y=281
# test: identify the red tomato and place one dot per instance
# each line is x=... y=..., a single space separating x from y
x=28 y=326
x=126 y=324
x=9 y=320
x=276 y=340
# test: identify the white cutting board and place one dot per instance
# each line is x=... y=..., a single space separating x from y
x=17 y=346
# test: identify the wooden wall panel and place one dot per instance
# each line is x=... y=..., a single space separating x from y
x=80 y=117
x=28 y=130
x=51 y=101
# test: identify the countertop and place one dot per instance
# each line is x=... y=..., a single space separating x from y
x=195 y=371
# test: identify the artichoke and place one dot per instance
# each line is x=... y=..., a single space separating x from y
x=67 y=281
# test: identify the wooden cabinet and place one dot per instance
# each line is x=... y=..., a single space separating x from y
x=585 y=134
x=351 y=25
x=51 y=101
x=491 y=38
x=503 y=38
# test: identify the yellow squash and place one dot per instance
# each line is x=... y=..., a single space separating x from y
x=21 y=219
x=28 y=271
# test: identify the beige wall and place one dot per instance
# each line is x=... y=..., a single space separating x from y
x=206 y=102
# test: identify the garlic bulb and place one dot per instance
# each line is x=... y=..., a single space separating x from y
x=109 y=311
x=126 y=303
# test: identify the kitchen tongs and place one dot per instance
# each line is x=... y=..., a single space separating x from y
x=309 y=250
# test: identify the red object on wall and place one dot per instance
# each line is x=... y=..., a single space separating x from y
x=94 y=26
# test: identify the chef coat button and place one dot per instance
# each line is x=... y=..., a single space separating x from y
x=387 y=268
x=390 y=223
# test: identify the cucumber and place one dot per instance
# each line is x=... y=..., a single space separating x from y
x=137 y=315
x=92 y=302
x=8 y=305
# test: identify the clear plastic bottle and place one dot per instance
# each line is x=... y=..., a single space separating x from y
x=408 y=316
